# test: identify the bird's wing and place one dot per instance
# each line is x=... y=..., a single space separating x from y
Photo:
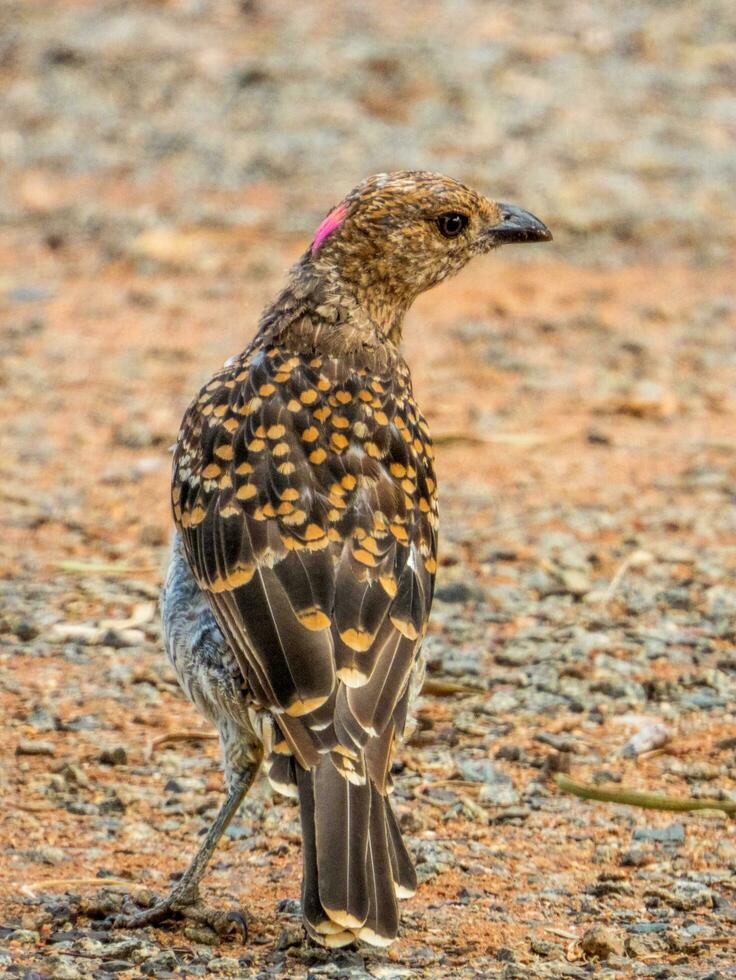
x=304 y=493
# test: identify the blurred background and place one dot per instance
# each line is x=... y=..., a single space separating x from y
x=161 y=165
x=617 y=122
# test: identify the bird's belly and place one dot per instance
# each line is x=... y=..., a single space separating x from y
x=203 y=662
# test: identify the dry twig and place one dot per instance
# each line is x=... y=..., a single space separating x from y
x=31 y=887
x=649 y=801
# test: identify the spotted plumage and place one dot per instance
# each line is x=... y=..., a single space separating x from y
x=304 y=496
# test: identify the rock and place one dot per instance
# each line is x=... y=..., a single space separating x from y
x=545 y=948
x=25 y=631
x=673 y=834
x=685 y=895
x=226 y=966
x=27 y=746
x=114 y=757
x=66 y=970
x=185 y=784
x=600 y=942
x=499 y=793
x=47 y=855
x=291 y=935
x=477 y=770
x=651 y=736
x=644 y=928
x=575 y=581
x=164 y=961
x=635 y=857
x=101 y=904
x=457 y=592
x=134 y=434
x=26 y=937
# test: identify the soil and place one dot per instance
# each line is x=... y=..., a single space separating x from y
x=164 y=163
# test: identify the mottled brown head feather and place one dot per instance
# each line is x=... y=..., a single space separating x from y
x=386 y=242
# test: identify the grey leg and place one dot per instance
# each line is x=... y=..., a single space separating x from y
x=184 y=898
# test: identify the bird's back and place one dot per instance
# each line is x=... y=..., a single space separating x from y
x=304 y=492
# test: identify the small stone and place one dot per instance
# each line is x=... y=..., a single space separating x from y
x=673 y=834
x=114 y=757
x=134 y=435
x=185 y=784
x=596 y=437
x=200 y=933
x=102 y=904
x=27 y=746
x=644 y=928
x=25 y=631
x=456 y=592
x=686 y=896
x=292 y=935
x=651 y=736
x=543 y=947
x=47 y=855
x=75 y=776
x=67 y=971
x=226 y=966
x=144 y=952
x=500 y=793
x=599 y=942
x=27 y=937
x=635 y=857
x=575 y=582
x=637 y=946
x=510 y=815
x=162 y=965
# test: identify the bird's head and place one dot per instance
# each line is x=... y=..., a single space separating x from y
x=396 y=235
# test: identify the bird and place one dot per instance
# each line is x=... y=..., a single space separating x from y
x=304 y=499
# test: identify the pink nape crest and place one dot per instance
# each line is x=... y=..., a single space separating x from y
x=333 y=220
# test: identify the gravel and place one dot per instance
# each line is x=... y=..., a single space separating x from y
x=163 y=164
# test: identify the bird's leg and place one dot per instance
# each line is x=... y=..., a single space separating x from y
x=184 y=898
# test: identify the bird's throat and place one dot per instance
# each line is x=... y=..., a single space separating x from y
x=324 y=310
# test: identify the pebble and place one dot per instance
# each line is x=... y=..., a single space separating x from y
x=155 y=965
x=516 y=559
x=686 y=896
x=457 y=592
x=27 y=937
x=66 y=970
x=226 y=966
x=27 y=746
x=601 y=942
x=290 y=936
x=45 y=854
x=116 y=756
x=672 y=834
x=649 y=737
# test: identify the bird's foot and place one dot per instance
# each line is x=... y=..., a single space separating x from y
x=185 y=905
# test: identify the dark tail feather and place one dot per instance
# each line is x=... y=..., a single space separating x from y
x=319 y=926
x=341 y=817
x=355 y=863
x=402 y=868
x=382 y=923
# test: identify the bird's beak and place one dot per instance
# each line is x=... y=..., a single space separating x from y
x=517 y=225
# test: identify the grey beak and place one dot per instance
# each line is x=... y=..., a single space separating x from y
x=518 y=225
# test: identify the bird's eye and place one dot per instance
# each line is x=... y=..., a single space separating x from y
x=452 y=223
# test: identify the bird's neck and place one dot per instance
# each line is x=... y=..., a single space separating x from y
x=335 y=311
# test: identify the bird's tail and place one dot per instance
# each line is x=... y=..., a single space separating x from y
x=356 y=865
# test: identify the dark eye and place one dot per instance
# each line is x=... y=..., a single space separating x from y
x=452 y=223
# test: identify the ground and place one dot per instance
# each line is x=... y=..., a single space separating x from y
x=582 y=399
